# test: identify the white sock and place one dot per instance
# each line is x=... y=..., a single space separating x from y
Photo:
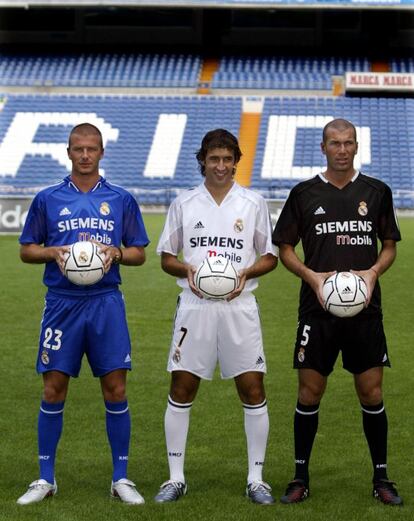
x=256 y=426
x=176 y=422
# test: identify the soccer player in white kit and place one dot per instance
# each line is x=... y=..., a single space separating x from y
x=219 y=217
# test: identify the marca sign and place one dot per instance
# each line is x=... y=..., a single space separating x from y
x=13 y=212
x=376 y=81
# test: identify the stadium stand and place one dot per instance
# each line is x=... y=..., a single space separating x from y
x=100 y=70
x=284 y=73
x=402 y=64
x=288 y=146
x=151 y=140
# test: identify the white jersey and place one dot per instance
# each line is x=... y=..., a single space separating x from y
x=238 y=229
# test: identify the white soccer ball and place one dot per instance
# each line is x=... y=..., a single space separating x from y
x=84 y=264
x=216 y=278
x=345 y=294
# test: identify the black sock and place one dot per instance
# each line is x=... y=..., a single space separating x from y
x=305 y=426
x=375 y=424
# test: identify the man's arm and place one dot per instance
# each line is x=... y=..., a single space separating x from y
x=37 y=254
x=129 y=256
x=385 y=259
x=292 y=262
x=133 y=256
x=263 y=265
x=173 y=266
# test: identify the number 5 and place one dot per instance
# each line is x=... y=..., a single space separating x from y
x=305 y=335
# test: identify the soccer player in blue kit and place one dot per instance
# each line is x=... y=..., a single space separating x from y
x=80 y=320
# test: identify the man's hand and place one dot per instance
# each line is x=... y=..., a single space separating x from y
x=242 y=282
x=316 y=281
x=111 y=254
x=191 y=270
x=370 y=278
x=60 y=255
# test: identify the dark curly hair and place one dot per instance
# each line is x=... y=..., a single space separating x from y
x=218 y=138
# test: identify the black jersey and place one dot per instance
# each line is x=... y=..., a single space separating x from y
x=339 y=228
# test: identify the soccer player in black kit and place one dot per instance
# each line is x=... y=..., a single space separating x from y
x=339 y=215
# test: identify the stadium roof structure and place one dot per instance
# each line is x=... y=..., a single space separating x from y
x=303 y=4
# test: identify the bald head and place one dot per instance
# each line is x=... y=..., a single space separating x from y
x=339 y=125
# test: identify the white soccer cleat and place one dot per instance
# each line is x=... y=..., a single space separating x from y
x=37 y=491
x=125 y=490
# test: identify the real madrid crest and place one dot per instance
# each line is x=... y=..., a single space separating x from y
x=363 y=208
x=238 y=225
x=104 y=209
x=301 y=355
x=44 y=357
x=177 y=355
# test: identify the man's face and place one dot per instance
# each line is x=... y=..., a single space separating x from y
x=340 y=148
x=219 y=167
x=85 y=152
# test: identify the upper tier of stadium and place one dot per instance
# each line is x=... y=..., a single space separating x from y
x=129 y=70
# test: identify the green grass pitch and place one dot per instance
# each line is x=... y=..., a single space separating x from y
x=216 y=455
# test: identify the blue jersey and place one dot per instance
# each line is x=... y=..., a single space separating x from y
x=61 y=214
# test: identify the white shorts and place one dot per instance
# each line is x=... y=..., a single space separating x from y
x=207 y=331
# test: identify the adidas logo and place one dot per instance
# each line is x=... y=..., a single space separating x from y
x=199 y=226
x=127 y=358
x=346 y=290
x=319 y=211
x=65 y=211
x=259 y=361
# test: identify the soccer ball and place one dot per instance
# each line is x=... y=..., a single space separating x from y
x=84 y=264
x=345 y=294
x=216 y=278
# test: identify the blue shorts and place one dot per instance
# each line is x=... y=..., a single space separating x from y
x=94 y=325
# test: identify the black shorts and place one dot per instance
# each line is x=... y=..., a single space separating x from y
x=320 y=338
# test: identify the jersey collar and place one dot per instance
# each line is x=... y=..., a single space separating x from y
x=323 y=178
x=233 y=189
x=72 y=185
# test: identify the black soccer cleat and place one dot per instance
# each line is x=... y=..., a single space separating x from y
x=296 y=492
x=385 y=492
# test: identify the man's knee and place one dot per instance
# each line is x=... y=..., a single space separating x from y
x=250 y=388
x=184 y=386
x=55 y=387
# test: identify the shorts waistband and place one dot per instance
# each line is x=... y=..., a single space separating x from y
x=82 y=293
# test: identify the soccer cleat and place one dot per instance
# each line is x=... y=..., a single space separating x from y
x=125 y=490
x=259 y=492
x=37 y=491
x=296 y=492
x=385 y=492
x=170 y=491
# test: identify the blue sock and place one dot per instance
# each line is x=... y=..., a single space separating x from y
x=118 y=428
x=49 y=426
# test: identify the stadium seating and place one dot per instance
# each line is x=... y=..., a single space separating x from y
x=173 y=71
x=151 y=140
x=100 y=70
x=402 y=65
x=283 y=73
x=288 y=146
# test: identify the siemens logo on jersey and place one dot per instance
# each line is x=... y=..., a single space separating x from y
x=218 y=242
x=88 y=222
x=344 y=226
